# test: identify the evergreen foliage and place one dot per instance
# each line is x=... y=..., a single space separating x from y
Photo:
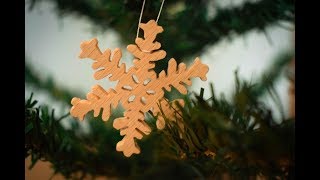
x=238 y=138
x=189 y=27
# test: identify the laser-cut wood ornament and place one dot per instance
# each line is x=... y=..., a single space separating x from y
x=138 y=89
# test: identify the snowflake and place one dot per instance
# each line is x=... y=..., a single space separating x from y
x=139 y=89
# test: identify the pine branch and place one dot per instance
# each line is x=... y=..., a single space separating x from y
x=217 y=138
x=272 y=74
x=34 y=79
x=71 y=151
x=199 y=31
x=191 y=28
x=240 y=138
x=220 y=136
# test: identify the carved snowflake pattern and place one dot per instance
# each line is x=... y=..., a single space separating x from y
x=139 y=89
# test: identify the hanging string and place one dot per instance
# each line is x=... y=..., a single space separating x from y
x=144 y=1
x=160 y=11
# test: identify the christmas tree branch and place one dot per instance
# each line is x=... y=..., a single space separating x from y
x=119 y=15
x=33 y=78
x=272 y=74
x=240 y=138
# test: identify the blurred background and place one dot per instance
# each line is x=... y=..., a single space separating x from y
x=228 y=35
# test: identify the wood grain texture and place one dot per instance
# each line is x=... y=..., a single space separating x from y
x=139 y=90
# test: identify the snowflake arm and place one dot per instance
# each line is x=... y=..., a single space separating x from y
x=146 y=50
x=169 y=110
x=131 y=126
x=96 y=100
x=103 y=63
x=180 y=77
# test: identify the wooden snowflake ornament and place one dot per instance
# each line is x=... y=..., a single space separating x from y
x=139 y=89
